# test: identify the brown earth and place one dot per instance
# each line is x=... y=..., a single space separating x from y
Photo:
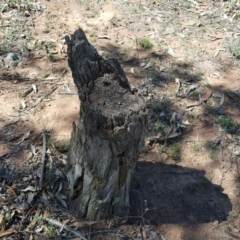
x=195 y=196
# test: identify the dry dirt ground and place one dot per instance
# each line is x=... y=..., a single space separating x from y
x=186 y=182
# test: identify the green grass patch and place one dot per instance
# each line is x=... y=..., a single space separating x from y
x=228 y=124
x=213 y=148
x=235 y=50
x=17 y=4
x=163 y=106
x=212 y=111
x=198 y=76
x=62 y=145
x=51 y=230
x=174 y=151
x=53 y=58
x=145 y=43
x=196 y=147
x=50 y=177
x=160 y=126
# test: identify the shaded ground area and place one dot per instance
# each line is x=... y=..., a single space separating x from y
x=172 y=194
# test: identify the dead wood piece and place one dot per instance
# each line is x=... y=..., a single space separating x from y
x=109 y=137
x=59 y=224
x=43 y=158
x=28 y=91
x=208 y=95
x=104 y=231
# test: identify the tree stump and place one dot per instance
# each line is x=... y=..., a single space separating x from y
x=109 y=137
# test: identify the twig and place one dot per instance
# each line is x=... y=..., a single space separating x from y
x=59 y=224
x=45 y=96
x=43 y=158
x=232 y=234
x=68 y=93
x=104 y=231
x=104 y=37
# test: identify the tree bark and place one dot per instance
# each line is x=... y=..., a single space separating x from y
x=109 y=137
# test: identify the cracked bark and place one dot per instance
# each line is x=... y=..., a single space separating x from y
x=107 y=140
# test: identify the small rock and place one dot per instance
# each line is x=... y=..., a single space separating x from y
x=13 y=59
x=145 y=92
x=237 y=152
x=25 y=179
x=27 y=14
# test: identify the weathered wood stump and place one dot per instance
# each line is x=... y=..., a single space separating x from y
x=108 y=139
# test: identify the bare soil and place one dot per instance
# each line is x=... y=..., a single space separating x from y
x=191 y=75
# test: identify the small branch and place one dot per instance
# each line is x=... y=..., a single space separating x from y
x=232 y=234
x=104 y=37
x=104 y=231
x=45 y=96
x=68 y=93
x=43 y=158
x=59 y=224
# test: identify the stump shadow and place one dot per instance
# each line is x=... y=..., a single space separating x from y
x=162 y=193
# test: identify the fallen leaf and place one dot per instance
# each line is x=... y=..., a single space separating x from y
x=194 y=2
x=26 y=136
x=171 y=52
x=229 y=136
x=177 y=80
x=30 y=196
x=28 y=188
x=162 y=237
x=64 y=223
x=46 y=214
x=34 y=87
x=33 y=149
x=23 y=104
x=11 y=189
x=222 y=100
x=173 y=135
x=186 y=122
x=34 y=220
x=187 y=24
x=7 y=232
x=80 y=224
x=148 y=65
x=2 y=221
x=144 y=233
x=192 y=87
x=39 y=229
x=64 y=204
